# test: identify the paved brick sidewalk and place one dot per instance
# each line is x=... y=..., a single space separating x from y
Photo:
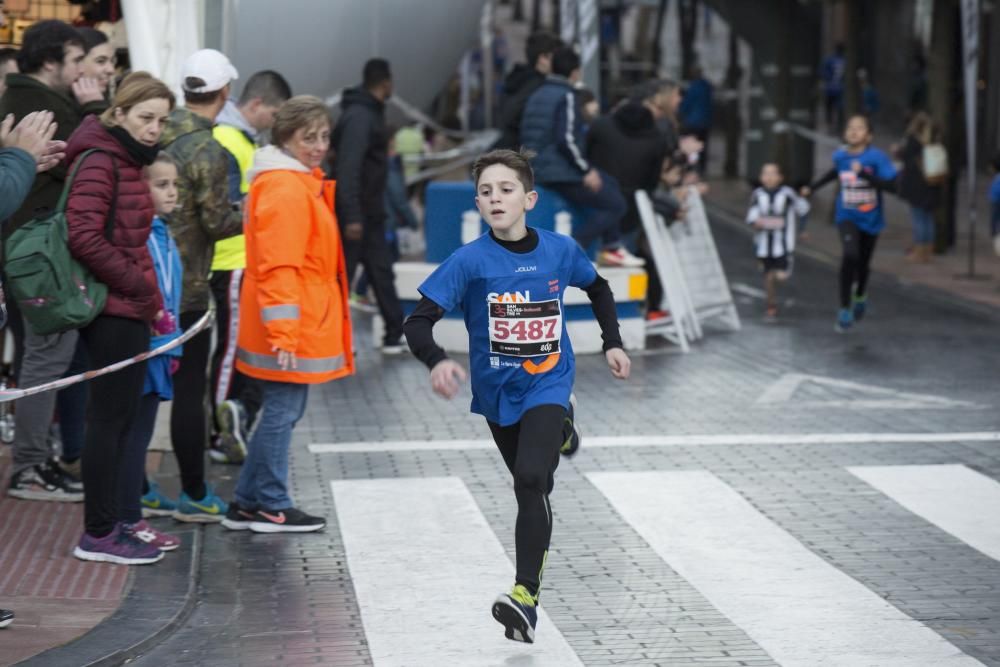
x=55 y=597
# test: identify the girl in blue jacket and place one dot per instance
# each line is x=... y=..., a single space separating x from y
x=864 y=173
x=137 y=497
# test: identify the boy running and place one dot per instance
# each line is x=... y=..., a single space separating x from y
x=509 y=285
x=774 y=210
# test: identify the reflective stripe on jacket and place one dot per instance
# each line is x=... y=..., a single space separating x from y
x=294 y=294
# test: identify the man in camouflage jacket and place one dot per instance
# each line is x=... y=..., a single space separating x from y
x=205 y=215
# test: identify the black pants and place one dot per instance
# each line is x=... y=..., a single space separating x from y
x=188 y=418
x=530 y=448
x=858 y=247
x=373 y=253
x=227 y=382
x=111 y=410
x=132 y=469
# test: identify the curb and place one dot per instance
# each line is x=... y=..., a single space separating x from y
x=161 y=597
x=936 y=295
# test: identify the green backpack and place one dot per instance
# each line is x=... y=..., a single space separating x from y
x=54 y=292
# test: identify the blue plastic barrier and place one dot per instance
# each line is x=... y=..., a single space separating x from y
x=448 y=203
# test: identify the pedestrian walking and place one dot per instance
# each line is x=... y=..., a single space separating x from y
x=864 y=173
x=509 y=285
x=919 y=185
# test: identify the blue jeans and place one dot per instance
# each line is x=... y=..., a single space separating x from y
x=923 y=225
x=607 y=208
x=264 y=479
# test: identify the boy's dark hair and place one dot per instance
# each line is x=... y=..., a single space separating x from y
x=996 y=161
x=519 y=161
x=585 y=96
x=564 y=61
x=45 y=42
x=538 y=44
x=7 y=54
x=268 y=86
x=376 y=71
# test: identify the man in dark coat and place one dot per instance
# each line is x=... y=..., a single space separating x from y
x=361 y=142
x=522 y=81
x=50 y=80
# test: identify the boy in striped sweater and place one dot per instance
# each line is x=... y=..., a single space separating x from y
x=774 y=211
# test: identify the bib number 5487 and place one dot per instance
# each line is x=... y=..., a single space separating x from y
x=525 y=330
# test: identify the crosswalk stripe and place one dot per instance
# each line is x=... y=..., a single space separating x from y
x=796 y=606
x=426 y=568
x=954 y=498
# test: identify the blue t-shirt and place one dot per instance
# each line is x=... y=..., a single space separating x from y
x=520 y=356
x=995 y=205
x=859 y=201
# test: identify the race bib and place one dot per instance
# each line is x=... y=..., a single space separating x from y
x=856 y=192
x=771 y=222
x=527 y=329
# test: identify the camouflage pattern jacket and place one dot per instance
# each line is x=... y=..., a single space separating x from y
x=205 y=213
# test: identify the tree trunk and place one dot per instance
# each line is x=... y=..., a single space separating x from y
x=688 y=10
x=943 y=107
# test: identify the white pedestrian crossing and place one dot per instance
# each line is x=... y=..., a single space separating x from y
x=796 y=606
x=426 y=567
x=954 y=498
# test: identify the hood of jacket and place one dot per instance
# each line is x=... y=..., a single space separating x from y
x=634 y=119
x=91 y=134
x=360 y=96
x=231 y=115
x=182 y=121
x=272 y=158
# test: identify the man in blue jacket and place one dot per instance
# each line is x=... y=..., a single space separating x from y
x=552 y=127
x=696 y=113
x=26 y=149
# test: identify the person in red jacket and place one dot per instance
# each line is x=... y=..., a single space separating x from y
x=111 y=183
x=295 y=327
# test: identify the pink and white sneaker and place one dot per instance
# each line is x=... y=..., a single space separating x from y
x=619 y=257
x=146 y=533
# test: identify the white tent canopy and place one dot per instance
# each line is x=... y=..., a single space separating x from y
x=161 y=34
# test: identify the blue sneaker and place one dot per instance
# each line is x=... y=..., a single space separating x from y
x=210 y=509
x=517 y=612
x=859 y=305
x=845 y=320
x=155 y=503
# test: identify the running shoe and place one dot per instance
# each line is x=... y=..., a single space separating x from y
x=210 y=509
x=238 y=518
x=155 y=503
x=394 y=347
x=845 y=320
x=231 y=444
x=517 y=612
x=859 y=304
x=288 y=520
x=6 y=617
x=571 y=432
x=145 y=532
x=619 y=257
x=45 y=481
x=118 y=546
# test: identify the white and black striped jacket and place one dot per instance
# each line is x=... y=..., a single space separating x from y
x=782 y=208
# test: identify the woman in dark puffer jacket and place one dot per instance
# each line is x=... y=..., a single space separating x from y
x=127 y=135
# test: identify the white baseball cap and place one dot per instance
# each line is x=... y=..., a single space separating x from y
x=210 y=66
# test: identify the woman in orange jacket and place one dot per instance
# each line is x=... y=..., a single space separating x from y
x=295 y=328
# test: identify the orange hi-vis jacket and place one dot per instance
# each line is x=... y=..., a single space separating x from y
x=294 y=293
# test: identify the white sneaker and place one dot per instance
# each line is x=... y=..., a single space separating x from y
x=620 y=257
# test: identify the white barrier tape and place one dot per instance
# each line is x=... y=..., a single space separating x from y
x=782 y=126
x=199 y=326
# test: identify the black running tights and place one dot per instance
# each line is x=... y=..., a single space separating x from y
x=530 y=448
x=858 y=247
x=188 y=416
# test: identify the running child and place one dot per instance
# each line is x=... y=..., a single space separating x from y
x=138 y=497
x=509 y=284
x=774 y=212
x=864 y=173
